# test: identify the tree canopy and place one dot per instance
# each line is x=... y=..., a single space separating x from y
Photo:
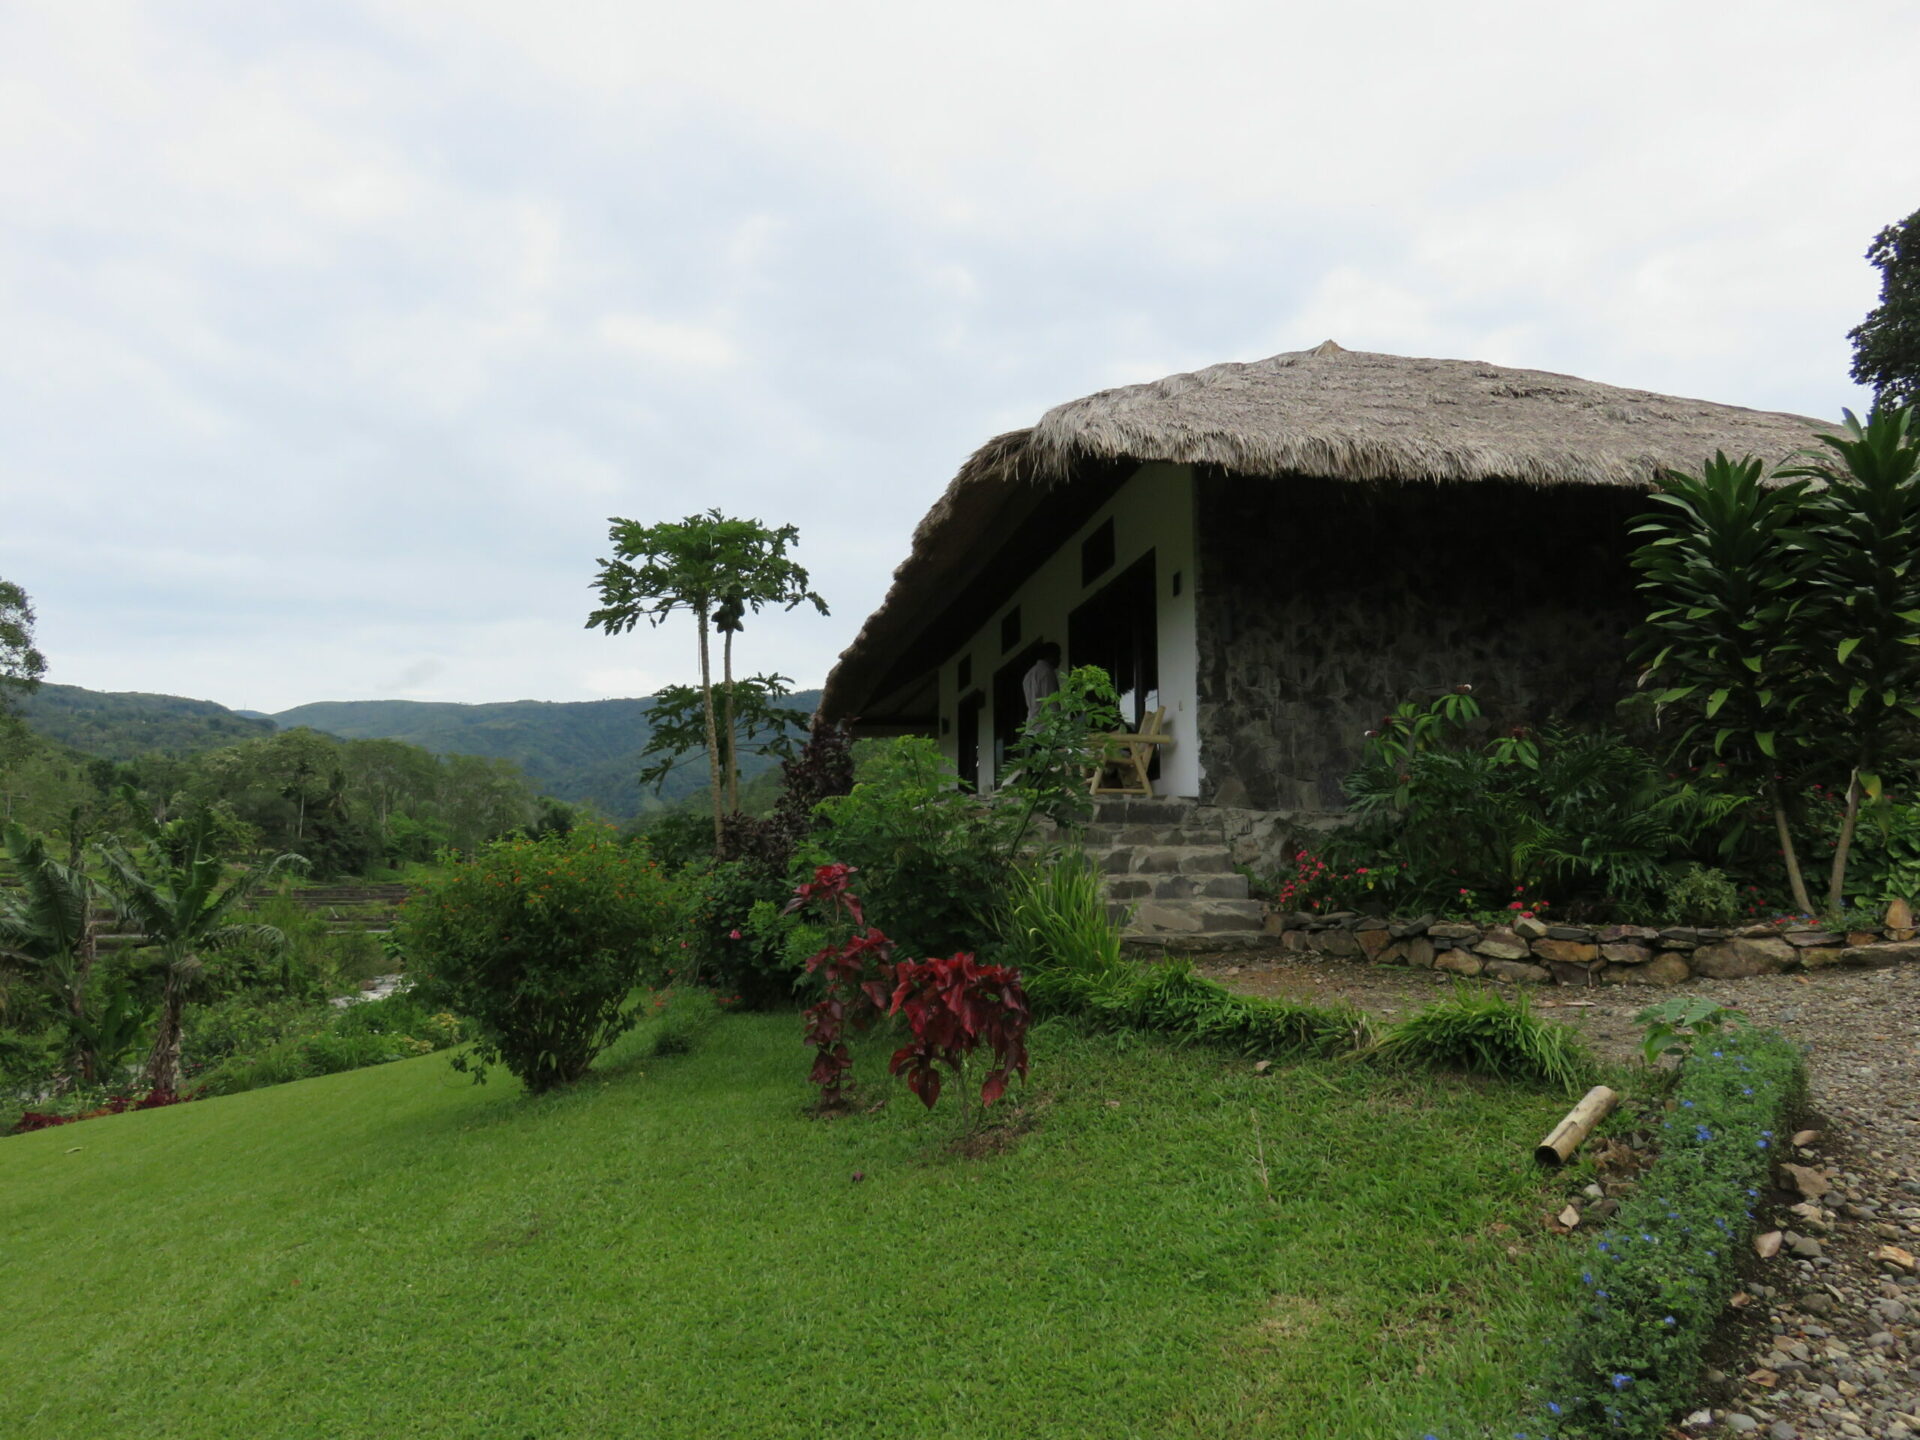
x=1886 y=345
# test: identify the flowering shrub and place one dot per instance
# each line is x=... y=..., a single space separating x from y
x=953 y=1007
x=1662 y=1275
x=1320 y=887
x=537 y=944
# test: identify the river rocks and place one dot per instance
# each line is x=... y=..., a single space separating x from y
x=1451 y=931
x=1529 y=928
x=1339 y=943
x=1373 y=941
x=1568 y=952
x=1638 y=934
x=1515 y=972
x=1736 y=959
x=1568 y=973
x=1460 y=962
x=1502 y=945
x=1415 y=950
x=1667 y=968
x=1874 y=956
x=1625 y=952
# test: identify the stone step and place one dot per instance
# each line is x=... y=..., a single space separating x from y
x=1107 y=837
x=1137 y=888
x=1168 y=860
x=1192 y=923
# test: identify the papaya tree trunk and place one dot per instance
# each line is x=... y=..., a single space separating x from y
x=163 y=1061
x=733 y=759
x=1796 y=882
x=1837 y=881
x=713 y=733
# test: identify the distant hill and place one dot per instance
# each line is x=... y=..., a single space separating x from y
x=121 y=725
x=578 y=750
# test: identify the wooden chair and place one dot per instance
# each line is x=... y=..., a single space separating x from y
x=1127 y=755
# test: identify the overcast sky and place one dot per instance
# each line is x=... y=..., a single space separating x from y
x=331 y=334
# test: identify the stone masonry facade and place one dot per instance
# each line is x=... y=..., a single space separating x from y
x=1324 y=604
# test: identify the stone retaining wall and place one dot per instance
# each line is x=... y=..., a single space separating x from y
x=1535 y=952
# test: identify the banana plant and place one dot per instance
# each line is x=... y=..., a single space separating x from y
x=46 y=929
x=1724 y=575
x=1859 y=620
x=184 y=910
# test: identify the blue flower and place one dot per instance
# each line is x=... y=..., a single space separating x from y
x=1620 y=1382
x=1668 y=1321
x=1746 y=1089
x=1719 y=1054
x=1553 y=1408
x=1701 y=1133
x=1686 y=1104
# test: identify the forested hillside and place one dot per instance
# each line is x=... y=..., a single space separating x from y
x=124 y=725
x=578 y=751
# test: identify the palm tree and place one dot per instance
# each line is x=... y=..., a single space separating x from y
x=183 y=912
x=46 y=928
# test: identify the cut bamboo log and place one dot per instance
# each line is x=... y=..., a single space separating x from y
x=1571 y=1133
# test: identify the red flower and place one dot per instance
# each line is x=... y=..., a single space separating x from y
x=733 y=934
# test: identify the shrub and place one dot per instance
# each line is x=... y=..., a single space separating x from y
x=1168 y=998
x=856 y=973
x=1700 y=895
x=736 y=937
x=953 y=1007
x=1483 y=1033
x=1662 y=1275
x=537 y=944
x=934 y=861
x=1056 y=928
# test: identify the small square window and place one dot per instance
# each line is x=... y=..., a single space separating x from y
x=1096 y=553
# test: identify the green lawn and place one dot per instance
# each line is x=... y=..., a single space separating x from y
x=674 y=1249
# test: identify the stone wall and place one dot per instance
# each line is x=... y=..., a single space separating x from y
x=1324 y=604
x=1533 y=952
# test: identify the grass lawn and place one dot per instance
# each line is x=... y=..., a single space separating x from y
x=673 y=1249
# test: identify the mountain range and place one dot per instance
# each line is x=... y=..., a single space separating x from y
x=575 y=750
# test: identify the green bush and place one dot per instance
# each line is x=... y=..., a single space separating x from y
x=1660 y=1278
x=934 y=861
x=735 y=937
x=1168 y=998
x=1701 y=895
x=1481 y=1032
x=537 y=944
x=1057 y=931
x=324 y=1041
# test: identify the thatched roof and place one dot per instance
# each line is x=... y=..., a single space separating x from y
x=1342 y=414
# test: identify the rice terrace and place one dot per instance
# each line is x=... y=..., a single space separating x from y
x=1075 y=859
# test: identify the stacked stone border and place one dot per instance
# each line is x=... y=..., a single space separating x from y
x=1534 y=952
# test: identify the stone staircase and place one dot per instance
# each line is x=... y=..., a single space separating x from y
x=1170 y=876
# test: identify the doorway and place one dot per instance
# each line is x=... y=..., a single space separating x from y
x=1118 y=630
x=968 y=737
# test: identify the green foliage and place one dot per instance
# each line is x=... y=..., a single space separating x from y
x=1585 y=816
x=1700 y=895
x=735 y=936
x=1659 y=1279
x=1168 y=998
x=933 y=860
x=1481 y=1032
x=1056 y=748
x=763 y=727
x=21 y=665
x=1885 y=865
x=129 y=725
x=1678 y=1026
x=1057 y=931
x=537 y=944
x=1886 y=345
x=325 y=1041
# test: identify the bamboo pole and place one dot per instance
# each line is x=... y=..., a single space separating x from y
x=1571 y=1133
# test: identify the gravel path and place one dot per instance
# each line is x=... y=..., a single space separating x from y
x=1829 y=1343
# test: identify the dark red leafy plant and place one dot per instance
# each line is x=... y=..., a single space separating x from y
x=954 y=1007
x=858 y=972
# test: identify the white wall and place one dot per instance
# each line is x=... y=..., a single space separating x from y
x=1153 y=511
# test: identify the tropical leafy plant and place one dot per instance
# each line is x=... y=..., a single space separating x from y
x=954 y=1007
x=1057 y=931
x=1057 y=748
x=184 y=908
x=1482 y=1032
x=856 y=971
x=1677 y=1026
x=46 y=930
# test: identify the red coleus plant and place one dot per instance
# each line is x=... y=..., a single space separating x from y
x=953 y=1008
x=858 y=972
